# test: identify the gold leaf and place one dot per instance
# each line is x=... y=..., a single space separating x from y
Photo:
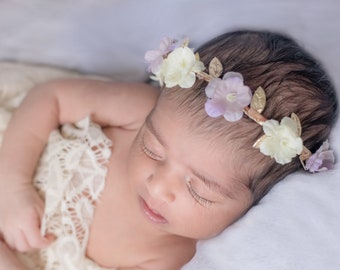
x=185 y=42
x=305 y=154
x=197 y=56
x=215 y=67
x=298 y=123
x=259 y=141
x=254 y=115
x=258 y=102
x=204 y=76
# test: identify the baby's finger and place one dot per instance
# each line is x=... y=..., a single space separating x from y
x=20 y=242
x=34 y=237
x=9 y=241
x=12 y=238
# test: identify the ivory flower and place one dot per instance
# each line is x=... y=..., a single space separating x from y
x=155 y=57
x=321 y=160
x=227 y=97
x=282 y=141
x=180 y=68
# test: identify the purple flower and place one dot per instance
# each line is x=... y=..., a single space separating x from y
x=321 y=160
x=227 y=97
x=155 y=57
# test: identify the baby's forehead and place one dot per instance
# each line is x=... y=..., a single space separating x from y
x=199 y=130
x=218 y=132
x=220 y=142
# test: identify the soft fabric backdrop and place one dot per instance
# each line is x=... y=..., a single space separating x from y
x=297 y=225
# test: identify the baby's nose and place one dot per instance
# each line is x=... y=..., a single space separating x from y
x=161 y=189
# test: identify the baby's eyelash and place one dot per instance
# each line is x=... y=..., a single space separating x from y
x=148 y=152
x=196 y=196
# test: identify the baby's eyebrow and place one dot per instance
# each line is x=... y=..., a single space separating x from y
x=153 y=130
x=215 y=186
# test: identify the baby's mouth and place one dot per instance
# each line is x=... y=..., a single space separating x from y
x=152 y=214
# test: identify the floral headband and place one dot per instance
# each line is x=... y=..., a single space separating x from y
x=173 y=65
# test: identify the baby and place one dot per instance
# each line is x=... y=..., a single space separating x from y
x=179 y=165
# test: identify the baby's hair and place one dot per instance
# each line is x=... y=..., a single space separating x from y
x=294 y=82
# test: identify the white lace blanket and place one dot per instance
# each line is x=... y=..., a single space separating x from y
x=70 y=176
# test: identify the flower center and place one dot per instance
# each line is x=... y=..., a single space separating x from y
x=231 y=97
x=284 y=142
x=183 y=64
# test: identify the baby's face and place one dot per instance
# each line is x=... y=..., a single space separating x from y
x=186 y=184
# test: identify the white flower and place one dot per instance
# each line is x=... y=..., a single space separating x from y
x=282 y=141
x=180 y=68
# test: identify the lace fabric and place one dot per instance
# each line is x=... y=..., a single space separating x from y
x=70 y=177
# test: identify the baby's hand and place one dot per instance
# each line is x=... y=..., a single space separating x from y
x=21 y=211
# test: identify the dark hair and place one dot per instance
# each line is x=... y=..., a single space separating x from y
x=293 y=82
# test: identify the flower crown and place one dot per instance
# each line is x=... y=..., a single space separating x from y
x=173 y=65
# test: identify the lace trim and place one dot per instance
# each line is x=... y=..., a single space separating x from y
x=70 y=176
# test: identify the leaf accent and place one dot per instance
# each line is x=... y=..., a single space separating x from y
x=197 y=57
x=215 y=67
x=185 y=42
x=204 y=76
x=305 y=154
x=298 y=123
x=259 y=141
x=258 y=102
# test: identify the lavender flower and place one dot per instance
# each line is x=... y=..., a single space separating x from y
x=155 y=57
x=227 y=97
x=321 y=160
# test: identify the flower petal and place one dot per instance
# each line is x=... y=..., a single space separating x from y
x=289 y=122
x=322 y=160
x=211 y=87
x=270 y=126
x=188 y=80
x=167 y=45
x=327 y=155
x=151 y=55
x=313 y=163
x=244 y=96
x=232 y=74
x=214 y=108
x=233 y=116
